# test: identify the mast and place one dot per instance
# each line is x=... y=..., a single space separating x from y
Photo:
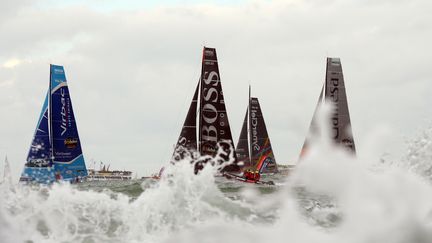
x=50 y=118
x=249 y=127
x=200 y=104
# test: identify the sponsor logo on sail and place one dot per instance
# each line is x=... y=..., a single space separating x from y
x=182 y=141
x=334 y=97
x=71 y=143
x=254 y=124
x=335 y=61
x=209 y=53
x=64 y=113
x=209 y=111
x=58 y=71
x=348 y=142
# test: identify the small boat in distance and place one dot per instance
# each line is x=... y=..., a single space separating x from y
x=55 y=151
x=105 y=174
x=254 y=148
x=155 y=176
x=333 y=91
x=208 y=107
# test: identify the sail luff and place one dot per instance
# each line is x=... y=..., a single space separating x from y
x=200 y=110
x=198 y=117
x=50 y=116
x=249 y=126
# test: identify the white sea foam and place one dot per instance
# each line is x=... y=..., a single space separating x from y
x=388 y=204
x=418 y=157
x=63 y=213
x=330 y=197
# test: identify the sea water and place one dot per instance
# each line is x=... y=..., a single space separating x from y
x=331 y=197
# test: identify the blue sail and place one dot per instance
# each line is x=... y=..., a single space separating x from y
x=66 y=145
x=38 y=167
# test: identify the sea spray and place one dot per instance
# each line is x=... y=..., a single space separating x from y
x=386 y=205
x=8 y=231
x=418 y=157
x=64 y=213
x=389 y=205
x=331 y=197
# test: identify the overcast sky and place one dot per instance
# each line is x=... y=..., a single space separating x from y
x=132 y=67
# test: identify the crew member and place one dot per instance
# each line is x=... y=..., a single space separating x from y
x=252 y=175
x=257 y=176
x=247 y=174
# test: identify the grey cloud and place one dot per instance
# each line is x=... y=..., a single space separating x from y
x=132 y=74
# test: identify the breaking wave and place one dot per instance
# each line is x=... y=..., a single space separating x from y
x=330 y=197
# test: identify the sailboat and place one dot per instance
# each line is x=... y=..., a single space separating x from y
x=256 y=140
x=55 y=151
x=208 y=107
x=333 y=91
x=7 y=172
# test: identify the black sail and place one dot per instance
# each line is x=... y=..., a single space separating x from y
x=242 y=148
x=335 y=92
x=214 y=127
x=187 y=141
x=262 y=156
